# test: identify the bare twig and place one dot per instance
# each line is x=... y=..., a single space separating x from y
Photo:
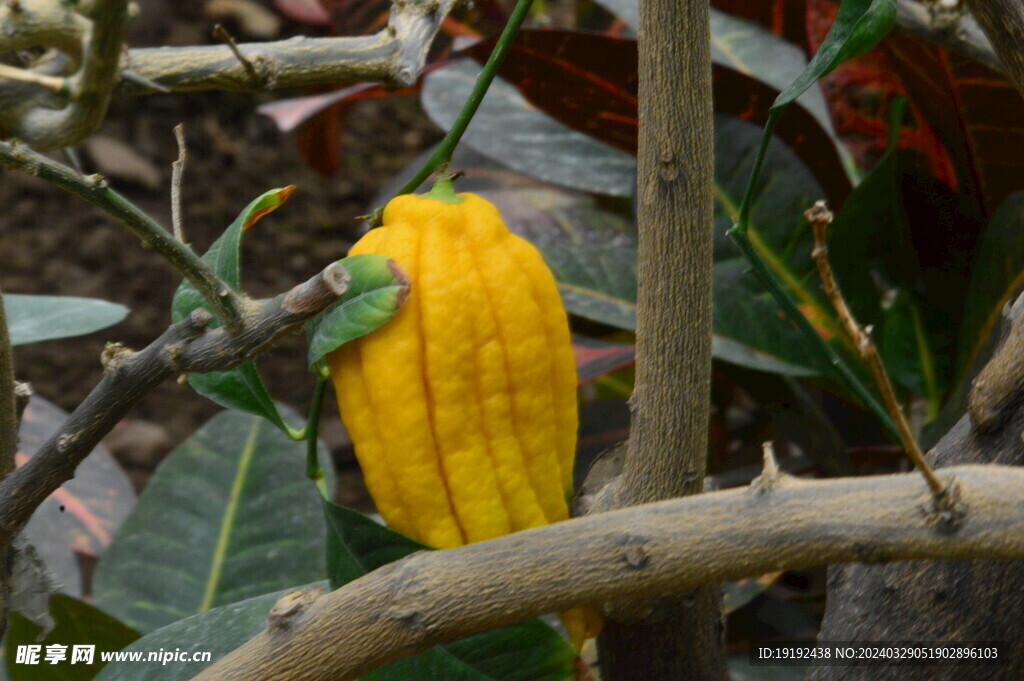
x=89 y=88
x=225 y=302
x=1003 y=22
x=51 y=83
x=395 y=56
x=183 y=348
x=177 y=170
x=221 y=33
x=957 y=32
x=8 y=451
x=820 y=218
x=437 y=596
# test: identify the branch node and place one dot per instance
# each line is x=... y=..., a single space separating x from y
x=771 y=476
x=114 y=356
x=221 y=33
x=945 y=510
x=288 y=608
x=319 y=292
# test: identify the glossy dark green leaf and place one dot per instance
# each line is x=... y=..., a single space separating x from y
x=217 y=632
x=228 y=515
x=858 y=27
x=528 y=651
x=76 y=623
x=31 y=319
x=996 y=276
x=515 y=133
x=745 y=312
x=240 y=388
x=906 y=349
x=376 y=291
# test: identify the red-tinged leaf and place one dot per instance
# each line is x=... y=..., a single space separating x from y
x=859 y=92
x=84 y=513
x=596 y=358
x=357 y=17
x=784 y=18
x=266 y=204
x=288 y=114
x=309 y=12
x=588 y=81
x=976 y=112
x=459 y=29
x=319 y=139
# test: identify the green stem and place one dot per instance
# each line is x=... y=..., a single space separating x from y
x=443 y=153
x=824 y=350
x=313 y=471
x=93 y=188
x=743 y=221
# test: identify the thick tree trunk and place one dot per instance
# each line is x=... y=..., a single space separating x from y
x=678 y=637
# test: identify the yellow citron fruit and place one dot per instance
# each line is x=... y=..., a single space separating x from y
x=462 y=408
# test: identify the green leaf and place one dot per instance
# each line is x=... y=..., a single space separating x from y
x=745 y=312
x=240 y=388
x=377 y=289
x=31 y=319
x=528 y=651
x=515 y=133
x=906 y=350
x=858 y=27
x=218 y=632
x=229 y=514
x=76 y=623
x=997 y=275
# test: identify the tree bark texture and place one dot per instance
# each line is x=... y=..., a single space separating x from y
x=679 y=637
x=954 y=601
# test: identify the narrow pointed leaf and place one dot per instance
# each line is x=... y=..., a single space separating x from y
x=529 y=651
x=376 y=292
x=228 y=515
x=31 y=319
x=859 y=26
x=240 y=388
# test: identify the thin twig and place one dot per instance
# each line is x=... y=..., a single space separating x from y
x=177 y=170
x=140 y=80
x=185 y=347
x=820 y=218
x=221 y=33
x=226 y=303
x=51 y=83
x=432 y=597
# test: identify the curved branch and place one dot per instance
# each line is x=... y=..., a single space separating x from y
x=1003 y=23
x=94 y=189
x=960 y=33
x=777 y=523
x=184 y=347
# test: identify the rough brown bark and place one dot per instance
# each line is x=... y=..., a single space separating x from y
x=679 y=637
x=955 y=601
x=777 y=523
x=1003 y=23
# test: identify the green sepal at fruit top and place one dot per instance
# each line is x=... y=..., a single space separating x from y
x=527 y=651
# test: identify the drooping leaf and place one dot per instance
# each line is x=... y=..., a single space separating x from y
x=31 y=319
x=376 y=291
x=511 y=130
x=528 y=651
x=240 y=388
x=217 y=632
x=744 y=311
x=82 y=515
x=859 y=26
x=228 y=515
x=77 y=625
